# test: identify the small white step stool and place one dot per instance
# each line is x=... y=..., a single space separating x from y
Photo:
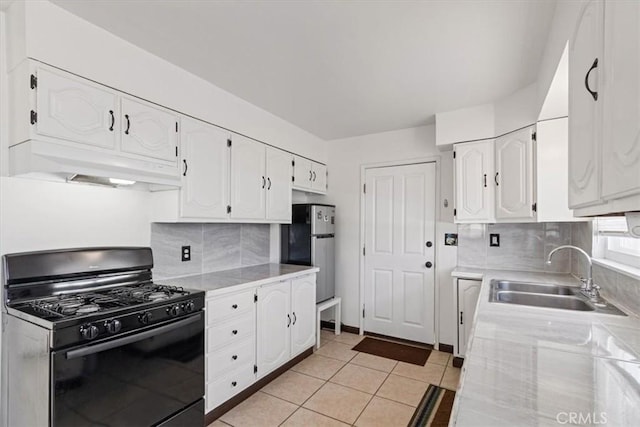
x=333 y=302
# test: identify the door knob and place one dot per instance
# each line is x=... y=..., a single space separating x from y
x=428 y=264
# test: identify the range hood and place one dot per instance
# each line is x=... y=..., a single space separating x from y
x=39 y=159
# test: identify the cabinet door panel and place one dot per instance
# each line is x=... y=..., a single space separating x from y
x=303 y=175
x=303 y=312
x=274 y=326
x=474 y=181
x=248 y=179
x=279 y=172
x=72 y=109
x=148 y=131
x=205 y=170
x=584 y=127
x=319 y=180
x=621 y=99
x=514 y=180
x=468 y=292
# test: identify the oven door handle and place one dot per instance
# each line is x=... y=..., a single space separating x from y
x=86 y=351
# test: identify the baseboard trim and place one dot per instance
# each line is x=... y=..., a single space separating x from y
x=244 y=394
x=457 y=362
x=325 y=324
x=445 y=348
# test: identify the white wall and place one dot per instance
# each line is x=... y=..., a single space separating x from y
x=59 y=38
x=346 y=156
x=516 y=110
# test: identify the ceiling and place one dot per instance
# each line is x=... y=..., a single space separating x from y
x=342 y=68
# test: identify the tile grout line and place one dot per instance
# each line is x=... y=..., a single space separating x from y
x=375 y=394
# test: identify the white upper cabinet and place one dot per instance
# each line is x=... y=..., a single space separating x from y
x=514 y=176
x=621 y=99
x=148 y=130
x=248 y=178
x=309 y=175
x=319 y=181
x=474 y=182
x=205 y=170
x=585 y=59
x=278 y=189
x=74 y=109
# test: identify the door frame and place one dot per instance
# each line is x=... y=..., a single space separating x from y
x=436 y=284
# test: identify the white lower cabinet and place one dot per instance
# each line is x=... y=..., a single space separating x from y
x=286 y=321
x=467 y=292
x=252 y=332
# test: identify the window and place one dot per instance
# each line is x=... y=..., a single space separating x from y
x=614 y=242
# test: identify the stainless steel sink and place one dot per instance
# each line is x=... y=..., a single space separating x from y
x=547 y=295
x=544 y=300
x=537 y=288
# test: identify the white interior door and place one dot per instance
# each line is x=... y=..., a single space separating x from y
x=399 y=251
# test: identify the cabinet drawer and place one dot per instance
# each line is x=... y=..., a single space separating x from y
x=228 y=358
x=229 y=305
x=230 y=331
x=228 y=386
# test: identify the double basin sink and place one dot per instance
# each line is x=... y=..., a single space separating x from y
x=547 y=295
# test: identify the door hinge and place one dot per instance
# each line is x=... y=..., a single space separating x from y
x=176 y=151
x=534 y=136
x=461 y=321
x=293 y=179
x=176 y=127
x=534 y=207
x=33 y=81
x=454 y=211
x=229 y=142
x=34 y=117
x=228 y=209
x=364 y=188
x=255 y=297
x=255 y=369
x=454 y=154
x=364 y=252
x=293 y=162
x=363 y=311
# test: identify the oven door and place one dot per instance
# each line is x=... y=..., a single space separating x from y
x=141 y=379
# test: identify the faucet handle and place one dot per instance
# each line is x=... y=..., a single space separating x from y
x=595 y=292
x=584 y=283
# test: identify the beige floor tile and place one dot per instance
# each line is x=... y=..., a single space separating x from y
x=260 y=409
x=450 y=378
x=374 y=362
x=404 y=390
x=349 y=339
x=218 y=423
x=327 y=334
x=429 y=373
x=385 y=413
x=438 y=357
x=360 y=378
x=293 y=387
x=319 y=366
x=337 y=350
x=336 y=401
x=305 y=418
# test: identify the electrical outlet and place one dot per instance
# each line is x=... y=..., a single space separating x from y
x=186 y=253
x=494 y=240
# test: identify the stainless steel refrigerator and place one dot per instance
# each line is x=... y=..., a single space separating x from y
x=309 y=240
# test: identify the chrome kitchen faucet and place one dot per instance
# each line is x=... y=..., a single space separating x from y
x=588 y=289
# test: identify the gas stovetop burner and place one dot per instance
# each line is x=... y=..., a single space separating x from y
x=66 y=306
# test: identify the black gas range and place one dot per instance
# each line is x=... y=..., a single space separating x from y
x=103 y=329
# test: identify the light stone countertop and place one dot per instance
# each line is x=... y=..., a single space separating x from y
x=237 y=279
x=532 y=366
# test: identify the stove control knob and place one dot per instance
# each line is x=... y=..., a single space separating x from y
x=174 y=310
x=145 y=318
x=189 y=307
x=89 y=332
x=113 y=326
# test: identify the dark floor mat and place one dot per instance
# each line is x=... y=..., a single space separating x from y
x=392 y=350
x=434 y=409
